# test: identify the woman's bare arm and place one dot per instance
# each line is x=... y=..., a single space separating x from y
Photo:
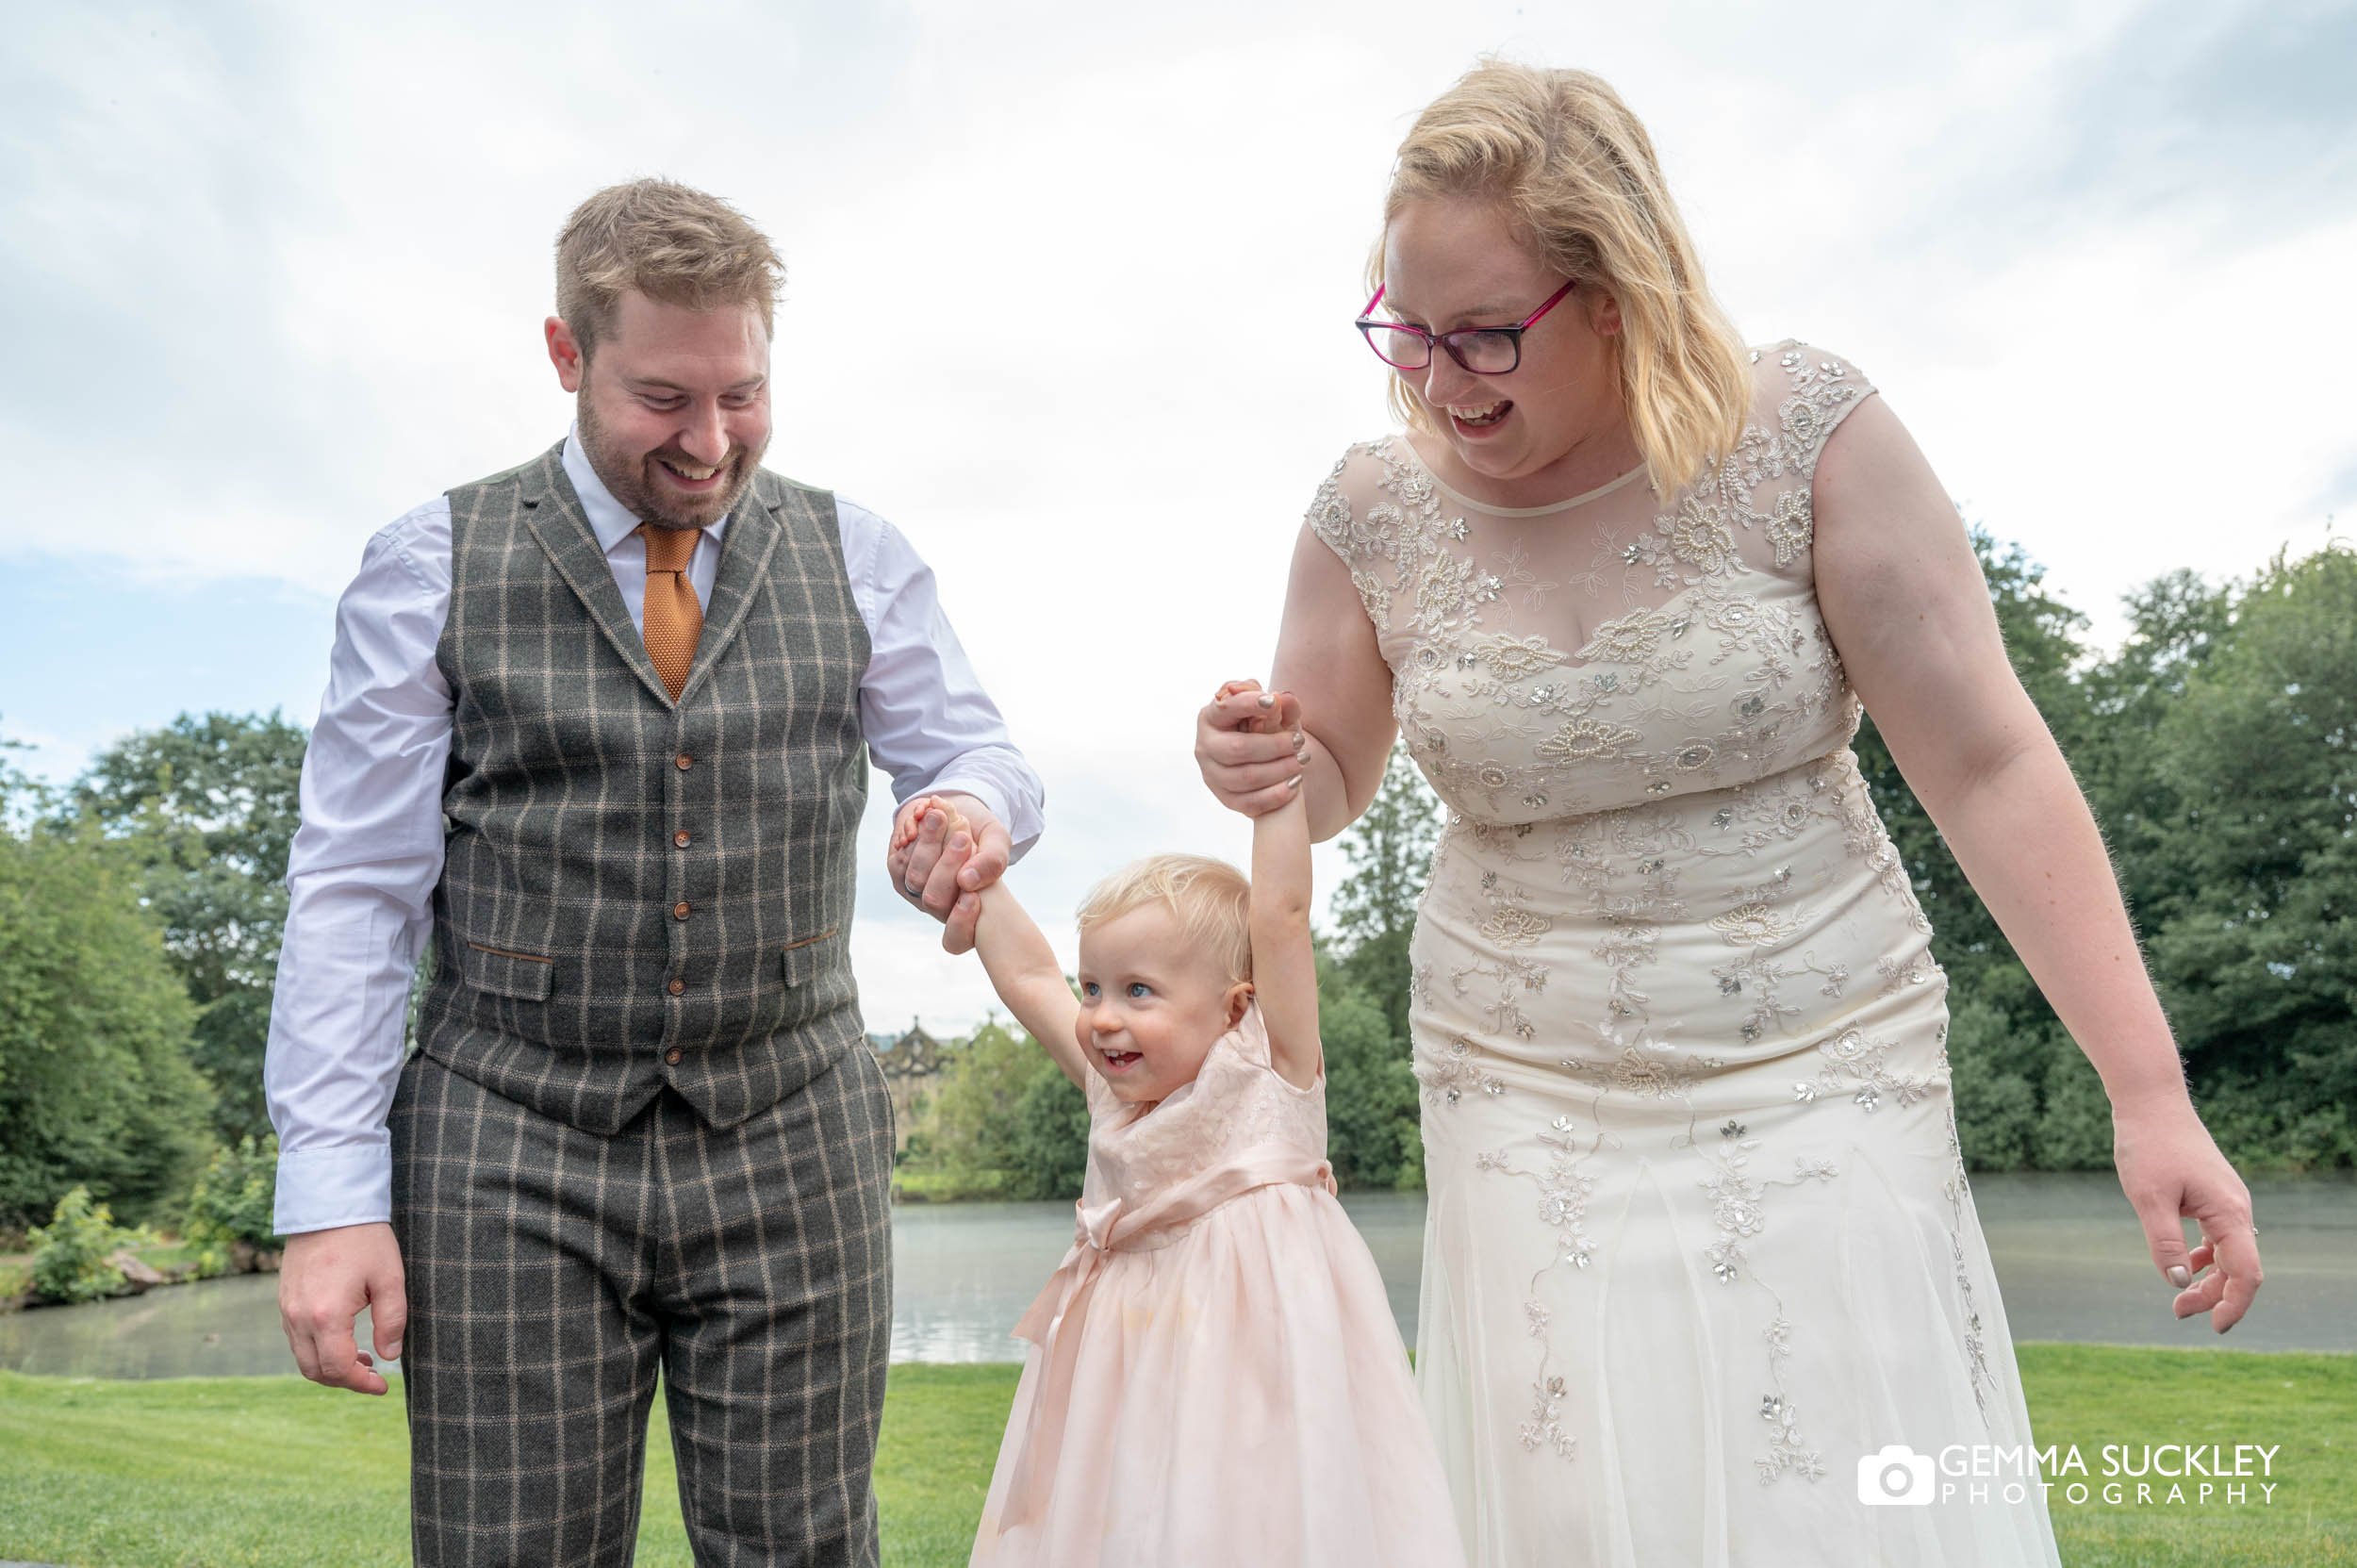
x=1908 y=610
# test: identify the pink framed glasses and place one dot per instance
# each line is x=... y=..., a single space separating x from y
x=1482 y=350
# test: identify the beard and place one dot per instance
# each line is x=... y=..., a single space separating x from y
x=632 y=479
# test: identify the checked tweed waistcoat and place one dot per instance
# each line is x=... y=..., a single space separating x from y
x=638 y=891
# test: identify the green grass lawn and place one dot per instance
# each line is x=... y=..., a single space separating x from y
x=271 y=1471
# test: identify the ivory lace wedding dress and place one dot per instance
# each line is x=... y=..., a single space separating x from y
x=1699 y=1237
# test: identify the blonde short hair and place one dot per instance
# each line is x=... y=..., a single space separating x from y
x=668 y=241
x=1211 y=900
x=1574 y=172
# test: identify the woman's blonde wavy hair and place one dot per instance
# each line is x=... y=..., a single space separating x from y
x=1576 y=175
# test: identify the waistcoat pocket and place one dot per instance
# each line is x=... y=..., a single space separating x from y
x=812 y=955
x=503 y=972
x=818 y=982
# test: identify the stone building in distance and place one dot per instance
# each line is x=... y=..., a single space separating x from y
x=912 y=1064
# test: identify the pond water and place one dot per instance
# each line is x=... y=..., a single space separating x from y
x=2071 y=1261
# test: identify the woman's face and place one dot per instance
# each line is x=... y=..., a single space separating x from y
x=1451 y=263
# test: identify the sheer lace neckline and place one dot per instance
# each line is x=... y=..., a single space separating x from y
x=1608 y=488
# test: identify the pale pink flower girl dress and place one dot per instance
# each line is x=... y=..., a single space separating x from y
x=1215 y=1380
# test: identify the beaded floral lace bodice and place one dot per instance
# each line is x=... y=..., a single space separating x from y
x=1607 y=650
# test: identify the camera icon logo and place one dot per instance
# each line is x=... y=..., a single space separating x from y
x=1898 y=1475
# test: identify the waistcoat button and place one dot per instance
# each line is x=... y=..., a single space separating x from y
x=676 y=986
x=679 y=911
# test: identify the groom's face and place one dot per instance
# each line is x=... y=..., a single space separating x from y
x=673 y=404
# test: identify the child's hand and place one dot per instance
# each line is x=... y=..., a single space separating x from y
x=1278 y=712
x=912 y=819
x=1251 y=748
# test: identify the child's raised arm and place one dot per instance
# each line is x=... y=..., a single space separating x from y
x=1024 y=971
x=1284 y=963
x=1021 y=965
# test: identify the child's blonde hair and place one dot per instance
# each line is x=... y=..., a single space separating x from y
x=1212 y=900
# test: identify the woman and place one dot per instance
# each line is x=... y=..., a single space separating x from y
x=1699 y=1239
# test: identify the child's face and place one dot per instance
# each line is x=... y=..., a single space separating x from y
x=1151 y=1006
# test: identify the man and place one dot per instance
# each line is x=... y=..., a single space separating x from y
x=598 y=729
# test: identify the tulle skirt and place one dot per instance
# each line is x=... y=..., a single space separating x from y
x=1235 y=1398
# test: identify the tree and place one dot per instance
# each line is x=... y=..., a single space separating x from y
x=1371 y=1107
x=971 y=1130
x=2217 y=749
x=2258 y=955
x=207 y=809
x=2178 y=622
x=1364 y=984
x=1389 y=851
x=1005 y=1123
x=1051 y=1135
x=97 y=1088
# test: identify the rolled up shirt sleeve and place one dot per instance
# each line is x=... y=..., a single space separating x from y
x=360 y=882
x=929 y=722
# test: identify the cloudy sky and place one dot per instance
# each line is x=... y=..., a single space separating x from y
x=272 y=276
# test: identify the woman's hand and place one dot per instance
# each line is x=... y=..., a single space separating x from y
x=1251 y=748
x=2169 y=1167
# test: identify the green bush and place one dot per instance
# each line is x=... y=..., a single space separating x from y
x=2259 y=1131
x=70 y=1254
x=2074 y=1132
x=1371 y=1106
x=96 y=1087
x=1051 y=1135
x=232 y=1202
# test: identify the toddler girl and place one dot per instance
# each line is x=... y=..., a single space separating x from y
x=1215 y=1380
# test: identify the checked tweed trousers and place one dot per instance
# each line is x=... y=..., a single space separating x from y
x=552 y=1273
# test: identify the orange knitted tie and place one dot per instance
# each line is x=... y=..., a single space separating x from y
x=673 y=621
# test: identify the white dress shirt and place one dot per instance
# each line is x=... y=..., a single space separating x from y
x=370 y=851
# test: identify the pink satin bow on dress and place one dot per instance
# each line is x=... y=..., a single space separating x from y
x=1055 y=1320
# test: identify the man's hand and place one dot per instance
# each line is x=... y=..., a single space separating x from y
x=325 y=1280
x=946 y=849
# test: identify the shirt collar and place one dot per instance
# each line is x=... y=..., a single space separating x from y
x=609 y=520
